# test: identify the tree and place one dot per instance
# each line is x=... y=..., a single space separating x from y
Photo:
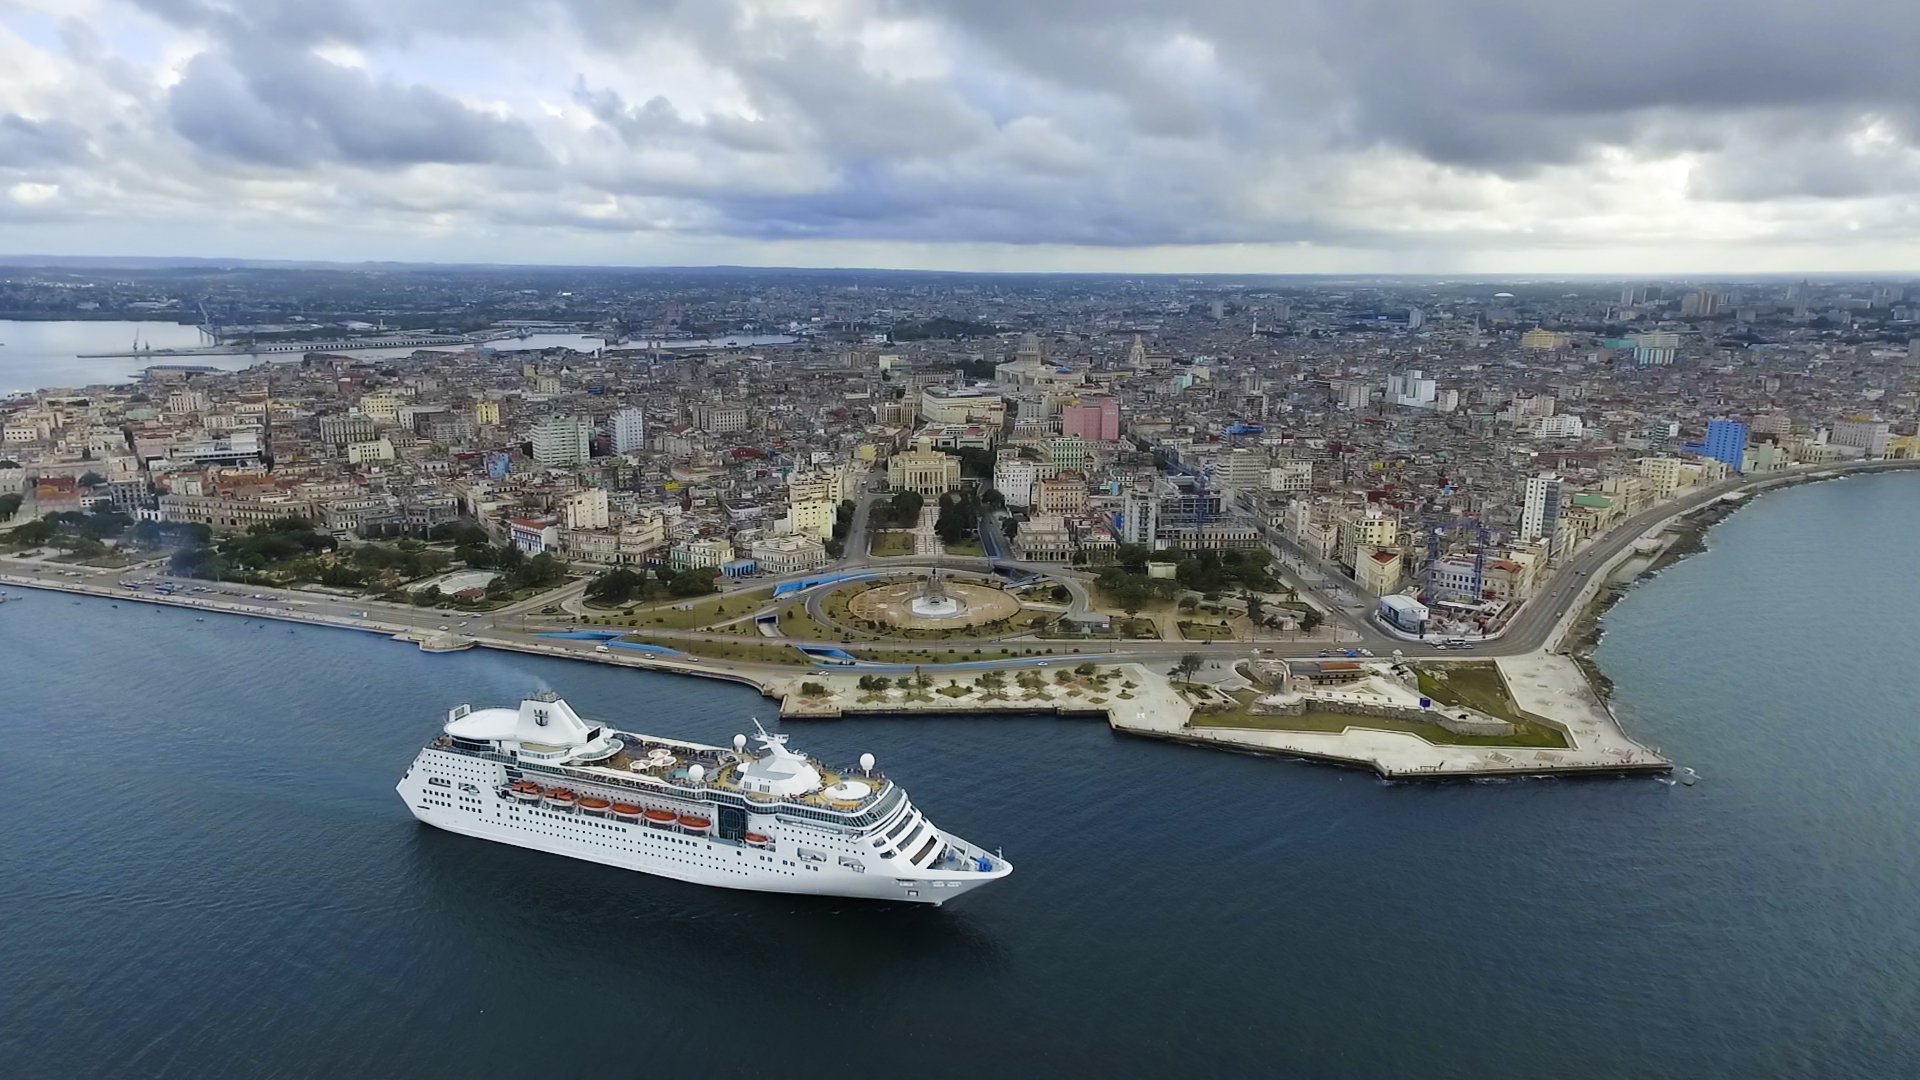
x=91 y=479
x=1185 y=667
x=9 y=506
x=993 y=500
x=1011 y=527
x=615 y=587
x=1256 y=607
x=692 y=582
x=904 y=508
x=458 y=533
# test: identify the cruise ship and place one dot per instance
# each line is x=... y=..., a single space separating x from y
x=770 y=819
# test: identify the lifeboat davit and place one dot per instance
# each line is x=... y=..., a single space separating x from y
x=694 y=824
x=561 y=799
x=594 y=805
x=529 y=793
x=626 y=810
x=757 y=840
x=661 y=818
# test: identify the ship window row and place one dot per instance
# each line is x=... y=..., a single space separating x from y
x=859 y=820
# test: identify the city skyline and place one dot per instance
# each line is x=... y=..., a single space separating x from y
x=1209 y=138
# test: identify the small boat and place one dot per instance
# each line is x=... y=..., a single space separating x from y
x=660 y=819
x=626 y=811
x=593 y=804
x=526 y=795
x=694 y=824
x=758 y=839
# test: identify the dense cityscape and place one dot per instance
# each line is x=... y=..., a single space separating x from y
x=1446 y=443
x=959 y=539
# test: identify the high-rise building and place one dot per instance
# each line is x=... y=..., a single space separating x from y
x=585 y=509
x=1415 y=318
x=629 y=430
x=1540 y=507
x=1866 y=432
x=1727 y=442
x=1656 y=349
x=562 y=441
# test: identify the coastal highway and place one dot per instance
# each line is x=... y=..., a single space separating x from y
x=517 y=627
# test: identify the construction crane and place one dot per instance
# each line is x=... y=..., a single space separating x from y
x=1435 y=544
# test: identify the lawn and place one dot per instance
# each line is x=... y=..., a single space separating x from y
x=888 y=543
x=1524 y=734
x=1199 y=631
x=1472 y=686
x=698 y=613
x=753 y=652
x=966 y=547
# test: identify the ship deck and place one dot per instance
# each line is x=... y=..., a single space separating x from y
x=668 y=761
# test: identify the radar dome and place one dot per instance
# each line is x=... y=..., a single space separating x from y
x=866 y=763
x=696 y=773
x=739 y=743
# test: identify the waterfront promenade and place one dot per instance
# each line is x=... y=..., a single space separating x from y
x=1542 y=682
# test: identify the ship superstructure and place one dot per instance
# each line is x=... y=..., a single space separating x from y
x=774 y=820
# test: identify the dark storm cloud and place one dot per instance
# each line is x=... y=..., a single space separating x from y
x=292 y=109
x=26 y=144
x=1110 y=123
x=1494 y=84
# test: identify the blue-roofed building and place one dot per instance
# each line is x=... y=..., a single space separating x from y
x=1727 y=442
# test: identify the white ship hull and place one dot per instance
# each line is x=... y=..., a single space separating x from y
x=468 y=795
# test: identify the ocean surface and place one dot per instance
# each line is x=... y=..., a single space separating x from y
x=207 y=874
x=38 y=355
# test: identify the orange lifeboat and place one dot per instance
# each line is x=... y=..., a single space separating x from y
x=626 y=810
x=694 y=824
x=757 y=840
x=562 y=799
x=527 y=793
x=661 y=818
x=593 y=804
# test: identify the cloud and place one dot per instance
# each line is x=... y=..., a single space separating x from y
x=921 y=126
x=29 y=144
x=294 y=109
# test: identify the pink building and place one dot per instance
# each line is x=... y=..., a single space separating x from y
x=1096 y=420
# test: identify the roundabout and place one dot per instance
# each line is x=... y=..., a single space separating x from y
x=933 y=604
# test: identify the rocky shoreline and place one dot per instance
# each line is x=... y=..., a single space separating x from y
x=1684 y=537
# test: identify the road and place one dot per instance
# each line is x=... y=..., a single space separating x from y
x=517 y=628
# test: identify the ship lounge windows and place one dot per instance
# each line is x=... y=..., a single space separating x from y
x=920 y=857
x=439 y=781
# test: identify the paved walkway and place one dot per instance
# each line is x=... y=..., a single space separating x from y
x=1547 y=686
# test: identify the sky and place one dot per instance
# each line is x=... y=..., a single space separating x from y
x=1134 y=136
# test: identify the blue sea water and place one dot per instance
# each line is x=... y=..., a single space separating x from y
x=207 y=874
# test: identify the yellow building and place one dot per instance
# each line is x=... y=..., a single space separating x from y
x=925 y=470
x=1664 y=473
x=1379 y=572
x=1544 y=340
x=813 y=517
x=1363 y=530
x=382 y=406
x=487 y=414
